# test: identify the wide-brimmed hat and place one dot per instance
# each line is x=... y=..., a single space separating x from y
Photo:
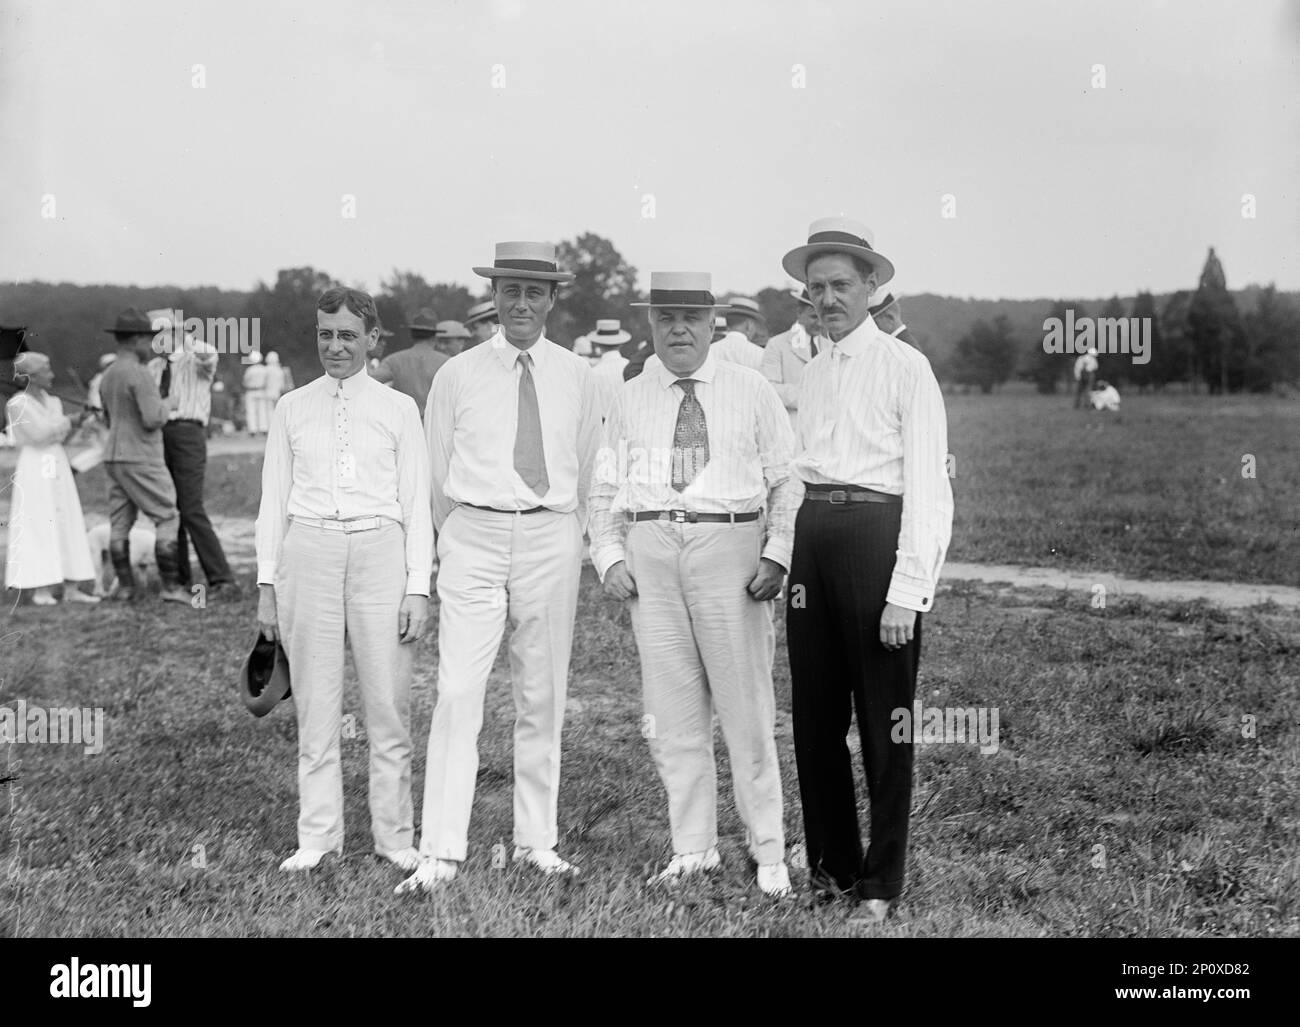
x=609 y=332
x=802 y=296
x=525 y=260
x=132 y=321
x=424 y=323
x=480 y=312
x=11 y=341
x=837 y=235
x=883 y=305
x=264 y=680
x=451 y=330
x=692 y=289
x=745 y=306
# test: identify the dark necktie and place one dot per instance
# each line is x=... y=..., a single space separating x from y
x=690 y=437
x=165 y=386
x=812 y=343
x=530 y=457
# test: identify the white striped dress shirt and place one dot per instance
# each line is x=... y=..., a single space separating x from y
x=340 y=449
x=471 y=418
x=871 y=414
x=193 y=366
x=750 y=446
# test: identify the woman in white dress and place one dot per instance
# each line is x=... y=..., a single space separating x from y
x=47 y=534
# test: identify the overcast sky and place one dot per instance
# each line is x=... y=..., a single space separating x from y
x=734 y=122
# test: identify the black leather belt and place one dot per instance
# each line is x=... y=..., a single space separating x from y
x=187 y=420
x=536 y=509
x=689 y=517
x=838 y=494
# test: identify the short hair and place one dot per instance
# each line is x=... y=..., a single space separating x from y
x=360 y=303
x=28 y=362
x=736 y=318
x=555 y=286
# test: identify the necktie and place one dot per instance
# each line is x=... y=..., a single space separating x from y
x=345 y=464
x=165 y=386
x=530 y=457
x=812 y=344
x=690 y=437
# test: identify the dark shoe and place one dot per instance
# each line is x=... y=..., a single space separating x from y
x=227 y=590
x=169 y=571
x=120 y=555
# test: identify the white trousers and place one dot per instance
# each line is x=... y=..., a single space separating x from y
x=705 y=645
x=335 y=590
x=494 y=565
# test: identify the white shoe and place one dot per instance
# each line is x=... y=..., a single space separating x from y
x=774 y=880
x=430 y=874
x=880 y=910
x=407 y=859
x=43 y=598
x=545 y=860
x=689 y=863
x=304 y=859
x=75 y=595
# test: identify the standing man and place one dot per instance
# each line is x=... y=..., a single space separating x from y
x=133 y=457
x=683 y=536
x=481 y=322
x=869 y=541
x=256 y=413
x=607 y=371
x=344 y=551
x=185 y=369
x=786 y=354
x=1085 y=371
x=746 y=332
x=411 y=370
x=512 y=427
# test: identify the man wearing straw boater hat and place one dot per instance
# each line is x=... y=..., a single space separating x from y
x=697 y=537
x=786 y=355
x=481 y=322
x=869 y=541
x=344 y=552
x=411 y=370
x=512 y=427
x=133 y=456
x=607 y=371
x=888 y=315
x=450 y=337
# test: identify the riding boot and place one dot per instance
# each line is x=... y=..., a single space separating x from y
x=120 y=555
x=169 y=571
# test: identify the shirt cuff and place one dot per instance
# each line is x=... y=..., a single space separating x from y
x=417 y=584
x=266 y=573
x=605 y=558
x=779 y=550
x=911 y=593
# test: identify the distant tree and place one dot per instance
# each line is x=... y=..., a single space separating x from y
x=405 y=293
x=1217 y=335
x=779 y=307
x=986 y=355
x=1175 y=360
x=1144 y=376
x=604 y=286
x=1046 y=369
x=1112 y=367
x=1273 y=337
x=288 y=318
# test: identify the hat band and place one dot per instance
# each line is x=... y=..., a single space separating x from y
x=512 y=264
x=609 y=331
x=681 y=298
x=844 y=237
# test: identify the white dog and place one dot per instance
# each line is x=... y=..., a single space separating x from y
x=143 y=564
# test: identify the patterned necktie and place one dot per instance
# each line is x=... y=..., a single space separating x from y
x=530 y=458
x=345 y=464
x=690 y=437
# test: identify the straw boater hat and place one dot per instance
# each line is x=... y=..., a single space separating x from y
x=743 y=305
x=837 y=235
x=424 y=323
x=691 y=289
x=609 y=332
x=481 y=312
x=451 y=330
x=525 y=260
x=132 y=321
x=888 y=303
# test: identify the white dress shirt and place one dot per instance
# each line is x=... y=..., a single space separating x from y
x=871 y=414
x=471 y=418
x=194 y=364
x=750 y=446
x=607 y=376
x=339 y=449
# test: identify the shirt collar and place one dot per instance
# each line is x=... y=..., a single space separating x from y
x=703 y=373
x=351 y=386
x=509 y=354
x=858 y=339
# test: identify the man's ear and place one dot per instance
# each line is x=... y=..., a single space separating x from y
x=372 y=338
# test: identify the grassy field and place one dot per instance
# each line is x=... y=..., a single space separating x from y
x=1144 y=785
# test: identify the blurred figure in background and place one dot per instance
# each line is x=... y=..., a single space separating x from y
x=255 y=421
x=93 y=402
x=607 y=367
x=411 y=370
x=1085 y=371
x=449 y=337
x=47 y=533
x=482 y=323
x=786 y=354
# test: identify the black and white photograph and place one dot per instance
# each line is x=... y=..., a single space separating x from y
x=526 y=469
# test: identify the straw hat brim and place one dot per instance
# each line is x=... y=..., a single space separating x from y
x=508 y=272
x=796 y=261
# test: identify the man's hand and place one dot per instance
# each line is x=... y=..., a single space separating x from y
x=897 y=626
x=412 y=617
x=619 y=583
x=267 y=618
x=767 y=582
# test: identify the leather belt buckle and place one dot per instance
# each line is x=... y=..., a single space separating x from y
x=838 y=496
x=678 y=516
